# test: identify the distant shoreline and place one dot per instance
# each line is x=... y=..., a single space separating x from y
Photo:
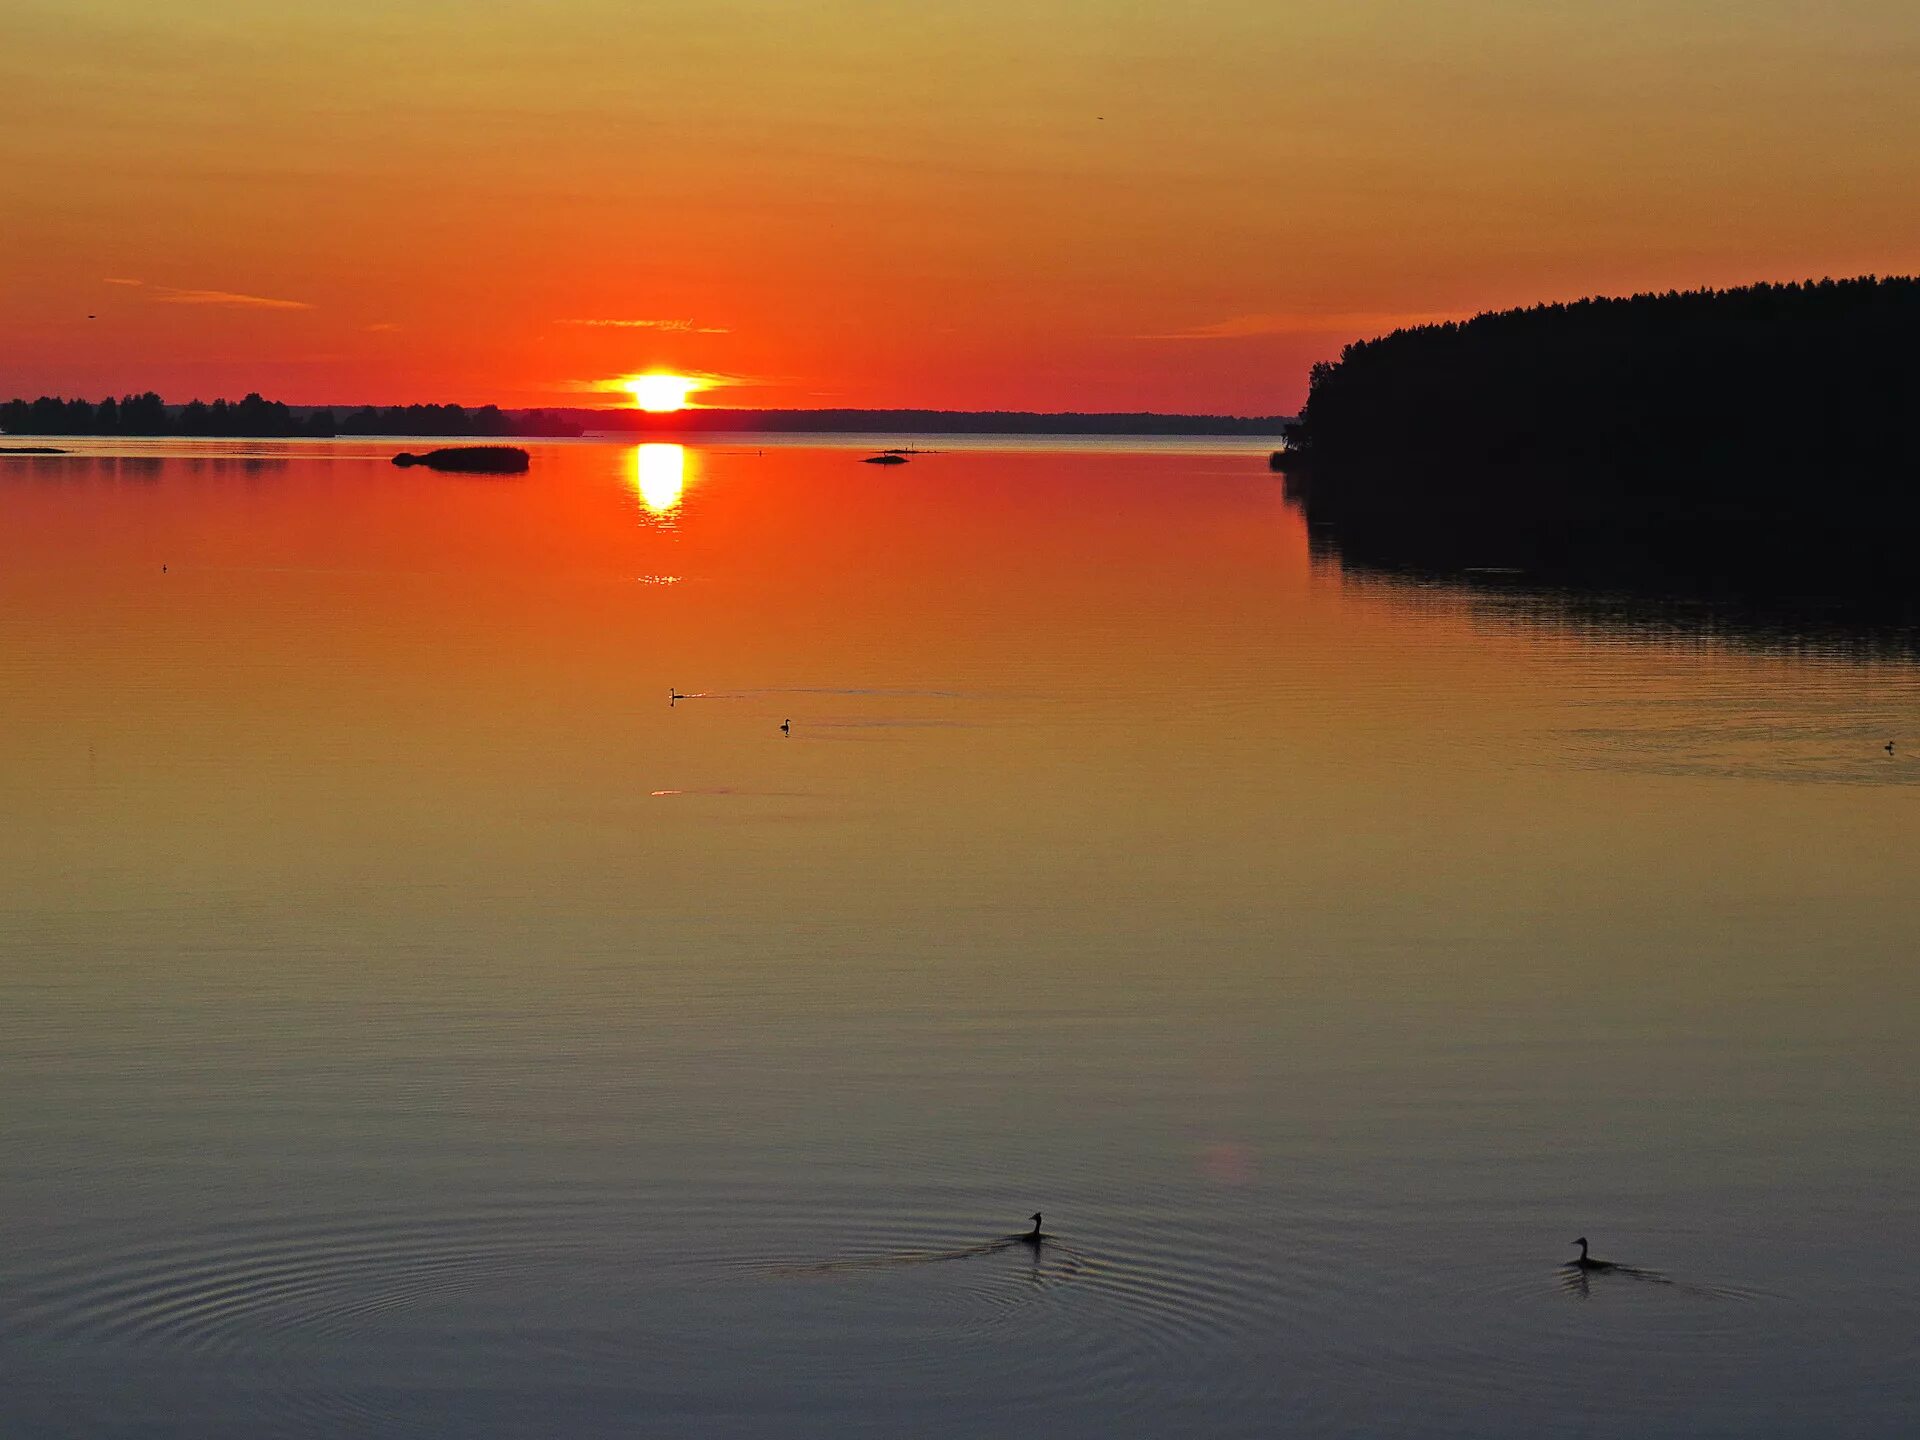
x=922 y=422
x=148 y=416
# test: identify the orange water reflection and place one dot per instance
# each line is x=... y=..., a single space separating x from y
x=1094 y=694
x=1095 y=788
x=660 y=477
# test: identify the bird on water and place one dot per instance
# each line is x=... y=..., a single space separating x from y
x=1586 y=1261
x=1889 y=747
x=786 y=727
x=1033 y=1236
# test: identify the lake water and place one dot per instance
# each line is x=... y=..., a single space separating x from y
x=412 y=1024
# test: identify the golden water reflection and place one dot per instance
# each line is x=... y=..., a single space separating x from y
x=1295 y=895
x=660 y=476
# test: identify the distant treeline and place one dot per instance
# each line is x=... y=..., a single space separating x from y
x=148 y=414
x=1749 y=440
x=924 y=422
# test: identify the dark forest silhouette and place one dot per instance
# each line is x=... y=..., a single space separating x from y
x=1757 y=442
x=148 y=414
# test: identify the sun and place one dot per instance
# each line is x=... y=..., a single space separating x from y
x=660 y=394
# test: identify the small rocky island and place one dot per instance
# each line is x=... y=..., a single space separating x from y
x=470 y=459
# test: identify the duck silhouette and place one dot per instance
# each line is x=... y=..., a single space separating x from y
x=1587 y=1262
x=786 y=727
x=1033 y=1236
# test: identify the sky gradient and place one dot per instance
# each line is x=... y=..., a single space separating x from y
x=1052 y=204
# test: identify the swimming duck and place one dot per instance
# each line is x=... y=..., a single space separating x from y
x=1586 y=1261
x=786 y=727
x=1033 y=1236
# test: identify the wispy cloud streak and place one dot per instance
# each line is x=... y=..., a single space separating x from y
x=178 y=295
x=682 y=327
x=169 y=295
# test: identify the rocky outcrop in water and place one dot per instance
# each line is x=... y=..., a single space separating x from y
x=470 y=459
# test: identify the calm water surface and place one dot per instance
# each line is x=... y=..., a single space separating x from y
x=411 y=1024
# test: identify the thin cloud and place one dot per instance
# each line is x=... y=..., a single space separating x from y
x=704 y=380
x=1240 y=327
x=681 y=327
x=117 y=280
x=170 y=295
x=382 y=327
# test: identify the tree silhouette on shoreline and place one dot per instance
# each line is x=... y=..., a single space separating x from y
x=1756 y=440
x=146 y=414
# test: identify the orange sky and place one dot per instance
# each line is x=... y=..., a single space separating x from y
x=1091 y=204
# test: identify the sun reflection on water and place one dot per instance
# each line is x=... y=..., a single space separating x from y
x=660 y=475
